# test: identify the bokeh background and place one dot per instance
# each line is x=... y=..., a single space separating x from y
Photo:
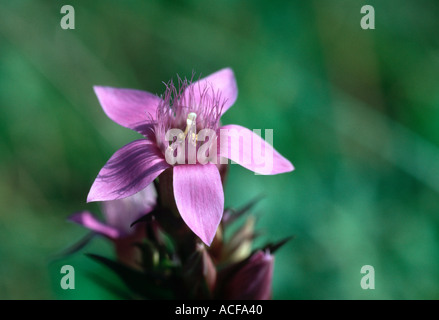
x=356 y=111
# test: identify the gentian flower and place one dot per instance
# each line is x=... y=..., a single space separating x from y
x=170 y=124
x=119 y=215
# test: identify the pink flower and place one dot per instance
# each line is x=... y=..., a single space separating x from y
x=195 y=107
x=119 y=214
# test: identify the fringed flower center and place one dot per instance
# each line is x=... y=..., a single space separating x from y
x=184 y=116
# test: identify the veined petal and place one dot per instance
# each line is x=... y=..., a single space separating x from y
x=199 y=197
x=248 y=149
x=129 y=170
x=133 y=109
x=222 y=82
x=88 y=220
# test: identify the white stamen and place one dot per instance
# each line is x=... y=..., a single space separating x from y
x=191 y=117
x=191 y=128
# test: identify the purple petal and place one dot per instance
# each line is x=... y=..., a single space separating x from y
x=86 y=219
x=248 y=149
x=199 y=197
x=130 y=108
x=129 y=170
x=121 y=213
x=222 y=82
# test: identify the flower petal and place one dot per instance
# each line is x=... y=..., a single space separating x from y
x=248 y=149
x=130 y=108
x=86 y=219
x=129 y=170
x=199 y=197
x=222 y=82
x=122 y=213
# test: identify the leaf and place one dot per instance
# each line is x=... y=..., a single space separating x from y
x=231 y=215
x=74 y=247
x=273 y=247
x=149 y=285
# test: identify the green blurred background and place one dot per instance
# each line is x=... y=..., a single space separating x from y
x=356 y=111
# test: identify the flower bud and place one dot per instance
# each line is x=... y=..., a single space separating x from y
x=240 y=244
x=252 y=279
x=200 y=273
